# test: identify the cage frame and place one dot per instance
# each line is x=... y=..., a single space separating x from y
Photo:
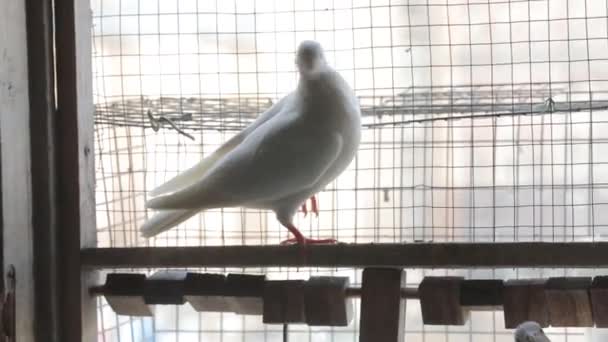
x=72 y=144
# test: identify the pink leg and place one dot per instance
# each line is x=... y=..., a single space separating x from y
x=314 y=205
x=304 y=209
x=299 y=239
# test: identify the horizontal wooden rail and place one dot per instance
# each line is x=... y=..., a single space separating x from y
x=351 y=292
x=407 y=255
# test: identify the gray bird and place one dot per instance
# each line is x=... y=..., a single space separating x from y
x=530 y=332
x=292 y=151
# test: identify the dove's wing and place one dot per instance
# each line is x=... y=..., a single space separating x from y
x=284 y=156
x=196 y=172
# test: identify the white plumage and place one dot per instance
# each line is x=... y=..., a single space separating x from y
x=530 y=332
x=292 y=151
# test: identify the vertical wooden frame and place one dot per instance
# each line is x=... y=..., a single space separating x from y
x=39 y=17
x=16 y=176
x=75 y=168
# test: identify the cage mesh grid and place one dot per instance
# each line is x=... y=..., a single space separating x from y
x=483 y=121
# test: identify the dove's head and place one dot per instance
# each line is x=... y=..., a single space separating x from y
x=530 y=332
x=310 y=58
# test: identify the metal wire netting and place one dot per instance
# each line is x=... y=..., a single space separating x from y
x=483 y=121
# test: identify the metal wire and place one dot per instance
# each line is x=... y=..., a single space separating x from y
x=483 y=121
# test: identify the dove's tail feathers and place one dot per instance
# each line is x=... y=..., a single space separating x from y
x=165 y=220
x=196 y=172
x=191 y=198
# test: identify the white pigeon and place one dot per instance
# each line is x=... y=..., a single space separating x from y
x=530 y=332
x=289 y=153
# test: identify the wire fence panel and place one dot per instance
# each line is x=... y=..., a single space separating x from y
x=483 y=121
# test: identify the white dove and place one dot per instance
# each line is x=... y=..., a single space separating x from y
x=289 y=153
x=530 y=332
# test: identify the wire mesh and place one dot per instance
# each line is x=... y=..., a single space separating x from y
x=483 y=121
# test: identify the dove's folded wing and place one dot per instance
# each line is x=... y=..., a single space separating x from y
x=196 y=172
x=268 y=166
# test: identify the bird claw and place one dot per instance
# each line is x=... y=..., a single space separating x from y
x=306 y=241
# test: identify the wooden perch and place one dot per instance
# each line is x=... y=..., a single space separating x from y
x=407 y=255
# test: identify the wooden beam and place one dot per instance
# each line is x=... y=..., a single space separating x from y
x=442 y=255
x=75 y=169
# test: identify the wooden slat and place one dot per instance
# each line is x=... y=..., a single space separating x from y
x=326 y=303
x=440 y=301
x=165 y=287
x=447 y=255
x=568 y=301
x=75 y=167
x=525 y=300
x=481 y=293
x=382 y=309
x=284 y=302
x=599 y=301
x=205 y=292
x=124 y=293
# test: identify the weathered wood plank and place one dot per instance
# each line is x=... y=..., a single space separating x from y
x=568 y=301
x=447 y=255
x=16 y=167
x=525 y=300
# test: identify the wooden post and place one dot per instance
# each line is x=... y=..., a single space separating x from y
x=75 y=161
x=382 y=309
x=41 y=71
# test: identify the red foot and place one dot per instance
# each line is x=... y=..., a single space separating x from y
x=307 y=241
x=304 y=209
x=314 y=206
x=299 y=239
